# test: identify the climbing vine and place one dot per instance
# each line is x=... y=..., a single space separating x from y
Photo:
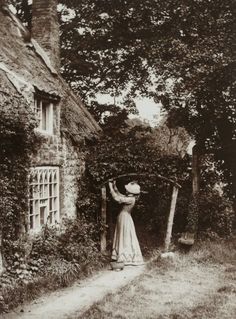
x=18 y=142
x=133 y=150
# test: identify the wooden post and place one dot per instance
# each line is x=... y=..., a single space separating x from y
x=103 y=242
x=110 y=226
x=195 y=172
x=171 y=218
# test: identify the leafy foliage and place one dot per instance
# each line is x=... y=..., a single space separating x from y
x=80 y=242
x=18 y=143
x=55 y=259
x=179 y=53
x=128 y=45
x=77 y=242
x=131 y=149
x=216 y=214
x=135 y=148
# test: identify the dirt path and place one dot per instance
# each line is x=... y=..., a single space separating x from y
x=165 y=292
x=78 y=298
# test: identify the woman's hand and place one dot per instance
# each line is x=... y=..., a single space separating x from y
x=113 y=181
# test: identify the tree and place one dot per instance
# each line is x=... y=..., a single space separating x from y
x=181 y=53
x=184 y=51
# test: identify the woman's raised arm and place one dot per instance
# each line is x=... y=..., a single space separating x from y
x=117 y=196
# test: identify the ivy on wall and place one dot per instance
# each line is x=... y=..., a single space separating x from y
x=18 y=142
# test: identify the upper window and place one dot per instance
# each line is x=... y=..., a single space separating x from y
x=44 y=197
x=44 y=111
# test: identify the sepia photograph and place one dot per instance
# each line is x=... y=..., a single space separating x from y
x=117 y=159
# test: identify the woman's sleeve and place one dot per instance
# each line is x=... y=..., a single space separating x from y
x=118 y=197
x=116 y=189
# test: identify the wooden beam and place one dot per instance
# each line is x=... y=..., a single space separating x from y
x=171 y=218
x=103 y=240
x=144 y=174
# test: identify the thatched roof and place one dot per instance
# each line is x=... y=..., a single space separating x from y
x=27 y=68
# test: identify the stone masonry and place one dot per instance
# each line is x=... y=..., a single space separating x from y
x=45 y=28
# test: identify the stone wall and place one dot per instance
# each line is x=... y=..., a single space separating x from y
x=57 y=151
x=71 y=172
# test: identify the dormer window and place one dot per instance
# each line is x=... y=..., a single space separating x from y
x=44 y=110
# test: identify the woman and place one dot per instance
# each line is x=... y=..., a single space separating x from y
x=125 y=244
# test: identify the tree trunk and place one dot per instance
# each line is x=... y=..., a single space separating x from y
x=230 y=160
x=226 y=131
x=193 y=206
x=1 y=257
x=187 y=238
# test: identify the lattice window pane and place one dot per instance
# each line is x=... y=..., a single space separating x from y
x=44 y=196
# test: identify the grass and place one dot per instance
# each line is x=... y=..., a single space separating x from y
x=59 y=274
x=197 y=285
x=221 y=252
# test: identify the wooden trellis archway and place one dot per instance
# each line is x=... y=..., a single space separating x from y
x=176 y=187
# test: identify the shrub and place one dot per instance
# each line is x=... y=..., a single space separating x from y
x=46 y=244
x=76 y=242
x=79 y=242
x=216 y=214
x=56 y=260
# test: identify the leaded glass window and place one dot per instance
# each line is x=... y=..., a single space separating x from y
x=44 y=196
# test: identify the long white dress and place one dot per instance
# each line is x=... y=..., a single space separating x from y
x=125 y=243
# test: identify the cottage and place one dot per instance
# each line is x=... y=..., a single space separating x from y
x=29 y=68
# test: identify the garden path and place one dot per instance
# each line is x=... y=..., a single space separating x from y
x=78 y=298
x=182 y=289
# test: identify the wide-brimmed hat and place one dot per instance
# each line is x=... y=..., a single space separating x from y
x=133 y=188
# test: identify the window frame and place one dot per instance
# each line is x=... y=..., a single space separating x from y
x=39 y=104
x=44 y=197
